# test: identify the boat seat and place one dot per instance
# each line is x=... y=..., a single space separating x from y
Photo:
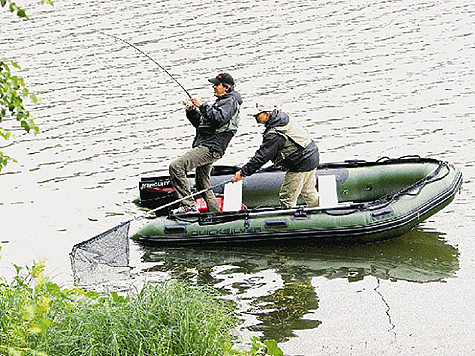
x=327 y=190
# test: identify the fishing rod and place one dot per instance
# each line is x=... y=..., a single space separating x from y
x=153 y=60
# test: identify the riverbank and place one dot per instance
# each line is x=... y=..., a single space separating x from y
x=38 y=317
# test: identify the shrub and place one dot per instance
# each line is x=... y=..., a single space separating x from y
x=171 y=318
x=37 y=317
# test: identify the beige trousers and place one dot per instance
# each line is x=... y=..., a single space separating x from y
x=299 y=183
x=201 y=158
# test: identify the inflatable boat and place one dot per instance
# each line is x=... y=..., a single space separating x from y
x=361 y=202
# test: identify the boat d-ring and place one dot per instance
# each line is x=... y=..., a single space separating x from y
x=247 y=222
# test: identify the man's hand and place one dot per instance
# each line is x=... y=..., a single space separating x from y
x=237 y=177
x=195 y=102
x=188 y=105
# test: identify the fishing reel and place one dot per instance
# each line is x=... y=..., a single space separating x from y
x=188 y=105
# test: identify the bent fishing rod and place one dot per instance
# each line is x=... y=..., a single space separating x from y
x=153 y=60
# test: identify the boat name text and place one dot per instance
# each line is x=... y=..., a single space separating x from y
x=227 y=231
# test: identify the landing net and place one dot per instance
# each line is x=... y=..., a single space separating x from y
x=103 y=258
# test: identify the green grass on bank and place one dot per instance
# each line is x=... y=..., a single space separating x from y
x=37 y=317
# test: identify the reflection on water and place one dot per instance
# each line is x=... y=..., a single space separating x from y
x=272 y=286
x=286 y=307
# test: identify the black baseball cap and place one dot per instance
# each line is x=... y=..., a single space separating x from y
x=225 y=78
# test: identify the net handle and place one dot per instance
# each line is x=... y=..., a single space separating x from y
x=190 y=196
x=170 y=204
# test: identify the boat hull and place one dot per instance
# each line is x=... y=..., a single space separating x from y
x=378 y=201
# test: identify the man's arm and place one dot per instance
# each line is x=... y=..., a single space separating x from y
x=220 y=113
x=194 y=116
x=270 y=146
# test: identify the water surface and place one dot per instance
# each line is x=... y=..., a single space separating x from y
x=367 y=79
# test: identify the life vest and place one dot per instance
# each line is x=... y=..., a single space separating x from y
x=296 y=138
x=232 y=124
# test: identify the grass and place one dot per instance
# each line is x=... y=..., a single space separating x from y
x=166 y=319
x=37 y=317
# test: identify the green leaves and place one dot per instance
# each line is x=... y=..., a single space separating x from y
x=24 y=306
x=48 y=2
x=34 y=99
x=13 y=7
x=21 y=13
x=266 y=347
x=13 y=94
x=13 y=90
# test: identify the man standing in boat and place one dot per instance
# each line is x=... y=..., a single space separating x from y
x=215 y=126
x=289 y=146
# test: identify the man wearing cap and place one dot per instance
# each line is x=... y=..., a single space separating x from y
x=215 y=126
x=289 y=146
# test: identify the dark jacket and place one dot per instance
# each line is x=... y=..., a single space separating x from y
x=303 y=160
x=215 y=124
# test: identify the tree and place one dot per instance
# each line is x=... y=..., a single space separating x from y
x=13 y=91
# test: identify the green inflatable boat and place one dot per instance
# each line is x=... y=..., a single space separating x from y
x=369 y=202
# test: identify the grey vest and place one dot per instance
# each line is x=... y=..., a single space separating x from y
x=296 y=138
x=231 y=125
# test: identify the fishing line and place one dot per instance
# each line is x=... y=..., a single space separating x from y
x=153 y=60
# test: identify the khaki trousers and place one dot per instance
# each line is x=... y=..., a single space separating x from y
x=299 y=183
x=201 y=158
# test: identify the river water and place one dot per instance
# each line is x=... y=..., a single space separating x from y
x=367 y=78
